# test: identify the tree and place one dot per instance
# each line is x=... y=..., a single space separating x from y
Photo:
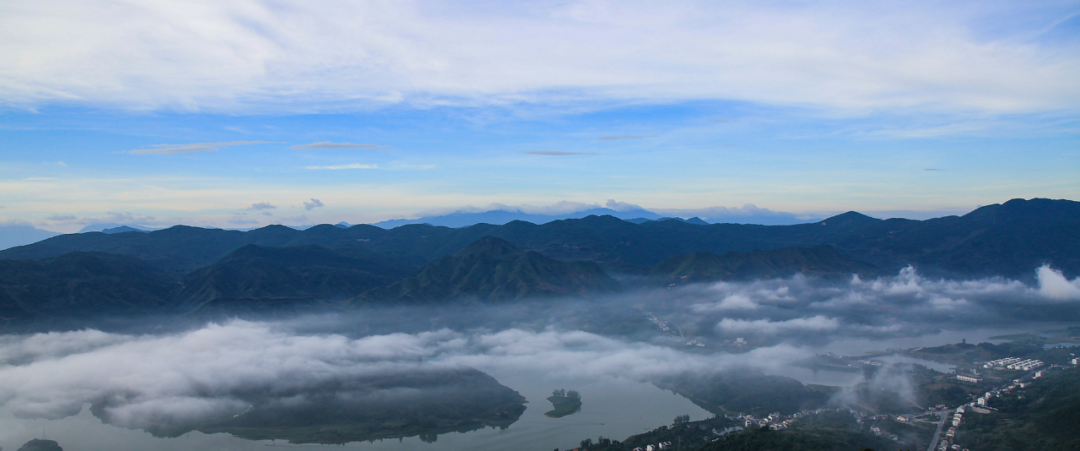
x=559 y=393
x=573 y=394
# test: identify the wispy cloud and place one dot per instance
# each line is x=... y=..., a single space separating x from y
x=557 y=153
x=261 y=206
x=621 y=137
x=334 y=145
x=346 y=166
x=819 y=55
x=61 y=218
x=169 y=149
x=315 y=203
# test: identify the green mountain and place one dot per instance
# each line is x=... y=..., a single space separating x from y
x=1042 y=417
x=81 y=284
x=1010 y=240
x=491 y=269
x=260 y=274
x=818 y=261
x=183 y=249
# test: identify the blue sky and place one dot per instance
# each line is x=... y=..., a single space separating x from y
x=202 y=113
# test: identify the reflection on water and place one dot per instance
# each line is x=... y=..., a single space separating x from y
x=612 y=407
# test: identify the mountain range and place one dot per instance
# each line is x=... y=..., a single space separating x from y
x=21 y=235
x=637 y=215
x=491 y=269
x=816 y=261
x=187 y=268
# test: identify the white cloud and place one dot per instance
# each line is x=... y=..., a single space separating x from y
x=556 y=153
x=315 y=203
x=254 y=55
x=189 y=375
x=333 y=145
x=261 y=206
x=169 y=149
x=621 y=206
x=764 y=326
x=1054 y=285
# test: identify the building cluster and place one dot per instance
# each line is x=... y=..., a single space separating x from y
x=946 y=443
x=1014 y=363
x=969 y=378
x=776 y=421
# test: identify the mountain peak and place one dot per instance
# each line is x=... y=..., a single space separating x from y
x=850 y=218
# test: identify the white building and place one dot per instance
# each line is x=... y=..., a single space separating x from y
x=969 y=378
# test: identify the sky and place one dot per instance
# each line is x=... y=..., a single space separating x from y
x=247 y=113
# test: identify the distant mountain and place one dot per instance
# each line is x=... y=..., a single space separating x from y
x=817 y=261
x=121 y=229
x=694 y=220
x=260 y=274
x=500 y=217
x=183 y=248
x=104 y=226
x=21 y=235
x=81 y=284
x=491 y=269
x=1010 y=240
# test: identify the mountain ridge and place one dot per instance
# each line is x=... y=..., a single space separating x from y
x=491 y=269
x=1007 y=240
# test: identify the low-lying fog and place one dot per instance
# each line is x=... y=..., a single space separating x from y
x=136 y=380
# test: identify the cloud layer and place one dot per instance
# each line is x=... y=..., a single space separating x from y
x=302 y=56
x=212 y=369
x=333 y=145
x=170 y=149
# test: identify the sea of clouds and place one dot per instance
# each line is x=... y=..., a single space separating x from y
x=137 y=380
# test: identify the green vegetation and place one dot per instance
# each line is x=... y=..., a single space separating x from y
x=564 y=403
x=748 y=392
x=798 y=439
x=306 y=272
x=1004 y=240
x=1068 y=335
x=41 y=445
x=491 y=269
x=820 y=261
x=276 y=267
x=837 y=431
x=1043 y=416
x=79 y=284
x=434 y=403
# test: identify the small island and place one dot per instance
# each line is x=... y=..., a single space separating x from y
x=565 y=403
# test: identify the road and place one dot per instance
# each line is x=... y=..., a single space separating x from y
x=933 y=442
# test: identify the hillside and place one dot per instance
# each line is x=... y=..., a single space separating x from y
x=817 y=261
x=183 y=249
x=81 y=284
x=1042 y=417
x=253 y=273
x=491 y=269
x=1010 y=240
